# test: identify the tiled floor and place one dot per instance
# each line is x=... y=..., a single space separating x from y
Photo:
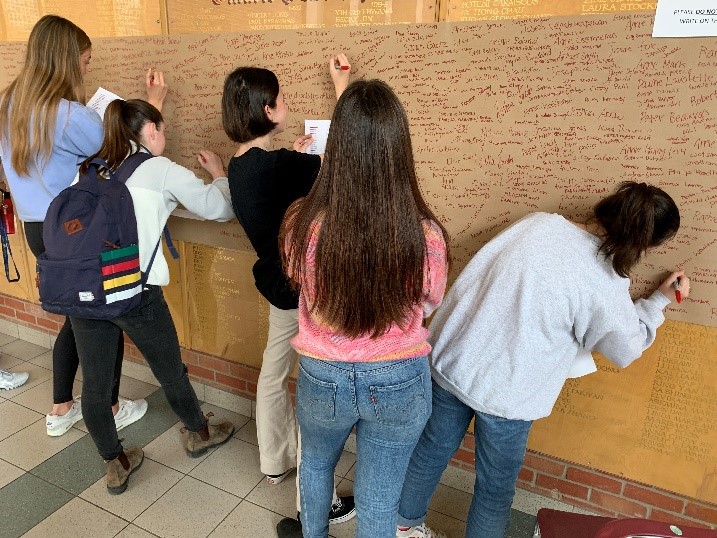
x=54 y=487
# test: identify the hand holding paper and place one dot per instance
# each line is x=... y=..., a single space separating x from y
x=319 y=129
x=100 y=100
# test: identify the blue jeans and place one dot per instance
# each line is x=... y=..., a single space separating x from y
x=389 y=403
x=500 y=449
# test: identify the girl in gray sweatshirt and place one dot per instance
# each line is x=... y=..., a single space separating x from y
x=512 y=329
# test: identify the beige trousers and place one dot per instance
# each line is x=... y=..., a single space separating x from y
x=276 y=427
x=275 y=420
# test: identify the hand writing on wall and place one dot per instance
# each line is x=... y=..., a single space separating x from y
x=156 y=87
x=339 y=69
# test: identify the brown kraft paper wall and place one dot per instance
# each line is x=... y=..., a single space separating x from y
x=507 y=117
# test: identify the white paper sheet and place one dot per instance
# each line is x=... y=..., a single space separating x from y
x=320 y=130
x=100 y=100
x=583 y=364
x=685 y=18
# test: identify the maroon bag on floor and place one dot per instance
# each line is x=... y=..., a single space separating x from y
x=558 y=524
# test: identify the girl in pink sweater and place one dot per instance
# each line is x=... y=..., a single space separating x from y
x=370 y=259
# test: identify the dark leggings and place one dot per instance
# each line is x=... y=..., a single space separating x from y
x=65 y=360
x=152 y=330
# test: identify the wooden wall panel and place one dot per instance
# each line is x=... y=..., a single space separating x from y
x=99 y=18
x=486 y=10
x=188 y=16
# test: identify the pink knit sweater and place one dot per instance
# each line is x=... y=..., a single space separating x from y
x=317 y=340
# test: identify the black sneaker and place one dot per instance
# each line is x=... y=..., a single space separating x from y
x=342 y=510
x=289 y=528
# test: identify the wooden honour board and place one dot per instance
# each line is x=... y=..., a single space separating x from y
x=507 y=117
x=653 y=422
x=99 y=18
x=481 y=10
x=190 y=16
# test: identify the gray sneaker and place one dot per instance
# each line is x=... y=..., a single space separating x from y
x=60 y=424
x=130 y=411
x=12 y=380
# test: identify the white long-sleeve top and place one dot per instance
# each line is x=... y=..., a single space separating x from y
x=157 y=186
x=511 y=326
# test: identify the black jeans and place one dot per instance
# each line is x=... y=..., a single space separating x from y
x=65 y=360
x=152 y=330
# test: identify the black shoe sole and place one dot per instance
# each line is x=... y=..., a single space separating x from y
x=289 y=528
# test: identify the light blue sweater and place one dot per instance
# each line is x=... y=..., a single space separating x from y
x=512 y=324
x=78 y=134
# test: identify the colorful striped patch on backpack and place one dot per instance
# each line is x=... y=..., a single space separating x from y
x=121 y=277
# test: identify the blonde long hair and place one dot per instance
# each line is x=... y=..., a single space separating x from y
x=28 y=107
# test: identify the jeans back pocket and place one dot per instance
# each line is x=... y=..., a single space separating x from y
x=402 y=404
x=316 y=397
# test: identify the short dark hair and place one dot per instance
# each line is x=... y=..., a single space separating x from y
x=247 y=90
x=637 y=216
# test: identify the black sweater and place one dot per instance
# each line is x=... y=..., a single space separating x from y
x=263 y=185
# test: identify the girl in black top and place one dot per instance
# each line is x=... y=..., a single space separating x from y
x=264 y=182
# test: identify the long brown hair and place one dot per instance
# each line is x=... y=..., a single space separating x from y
x=123 y=124
x=637 y=216
x=28 y=107
x=371 y=245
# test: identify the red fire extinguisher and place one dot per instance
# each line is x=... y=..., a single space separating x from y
x=8 y=213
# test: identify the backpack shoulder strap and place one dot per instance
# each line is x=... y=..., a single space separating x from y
x=123 y=173
x=89 y=181
x=99 y=163
x=130 y=164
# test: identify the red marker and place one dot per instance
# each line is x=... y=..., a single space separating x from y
x=678 y=294
x=342 y=67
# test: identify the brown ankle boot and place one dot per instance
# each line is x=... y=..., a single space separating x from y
x=198 y=443
x=119 y=469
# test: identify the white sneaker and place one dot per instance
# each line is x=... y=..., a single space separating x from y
x=60 y=424
x=274 y=479
x=129 y=411
x=421 y=531
x=10 y=380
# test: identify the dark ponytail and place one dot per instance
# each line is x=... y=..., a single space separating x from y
x=123 y=125
x=637 y=216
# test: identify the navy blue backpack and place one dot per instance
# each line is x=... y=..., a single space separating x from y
x=90 y=268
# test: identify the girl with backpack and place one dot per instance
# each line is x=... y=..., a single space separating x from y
x=45 y=133
x=157 y=186
x=263 y=183
x=370 y=261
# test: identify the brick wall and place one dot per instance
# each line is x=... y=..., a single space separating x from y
x=599 y=492
x=569 y=483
